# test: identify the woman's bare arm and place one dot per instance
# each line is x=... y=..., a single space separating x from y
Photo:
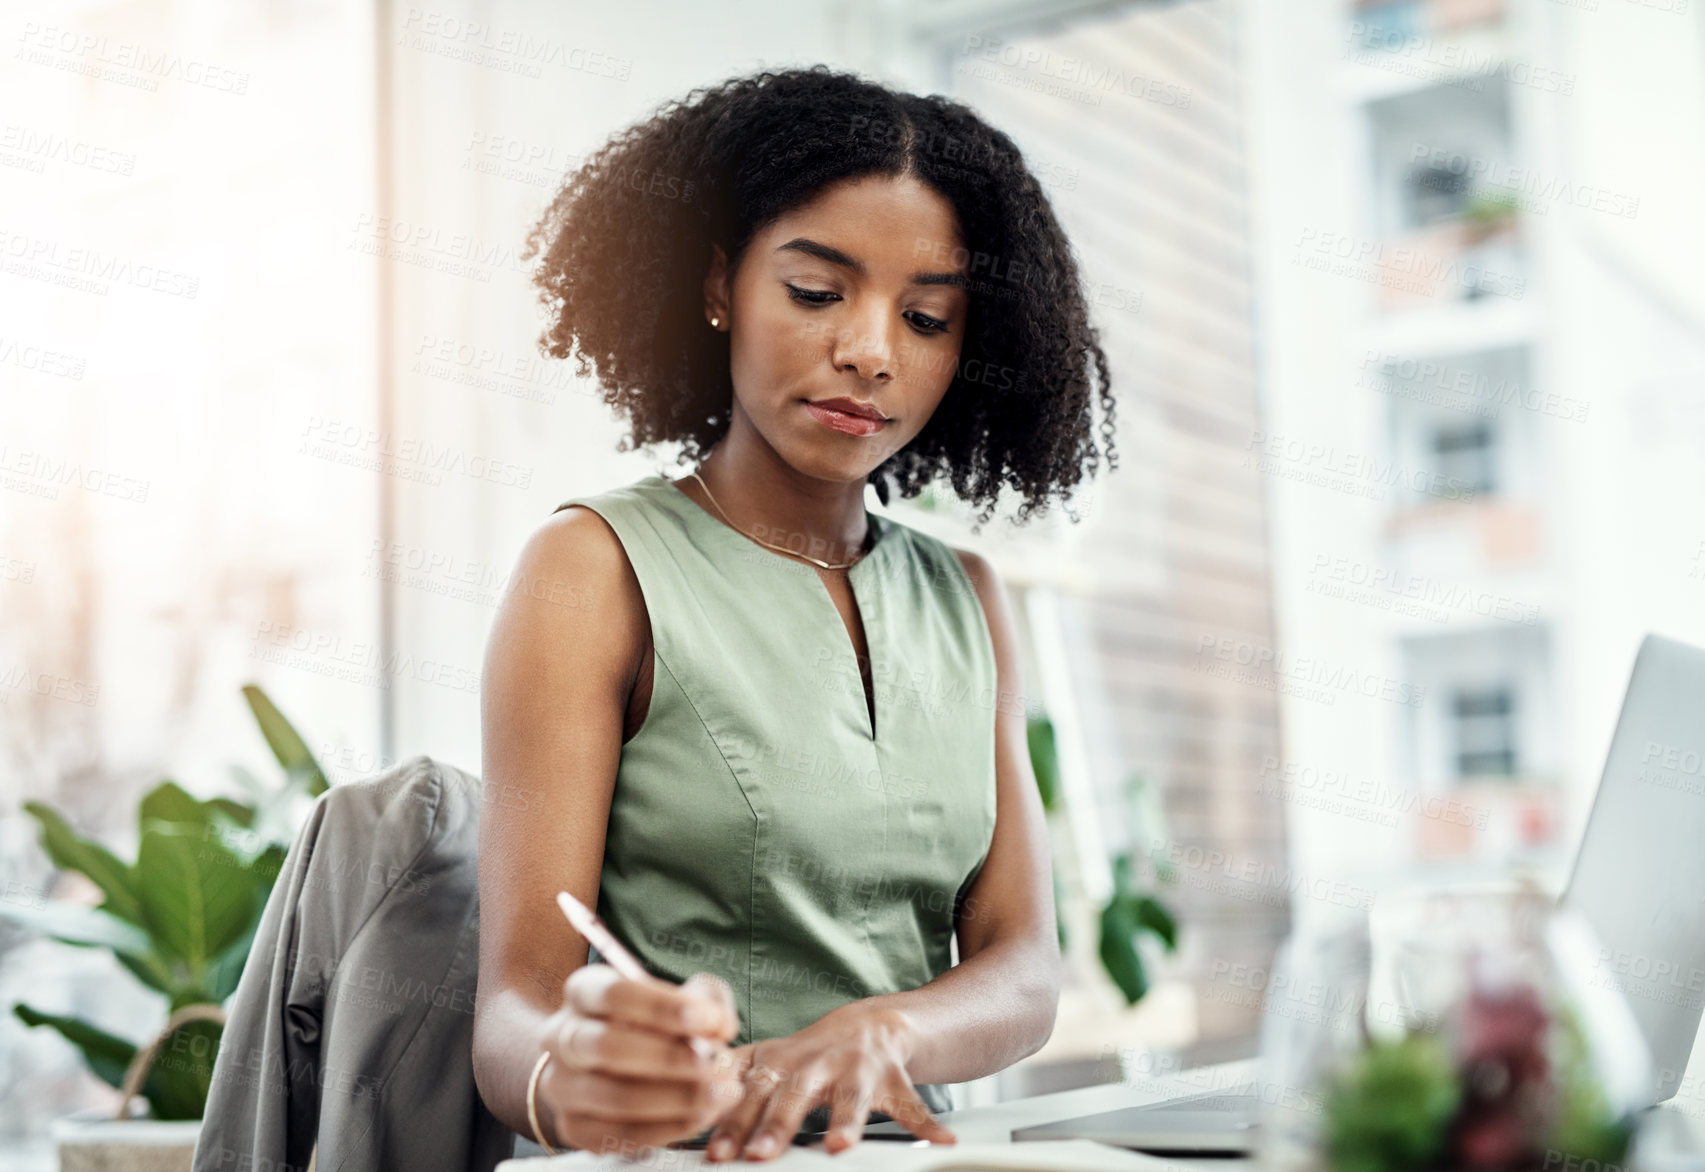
x=552 y=695
x=560 y=667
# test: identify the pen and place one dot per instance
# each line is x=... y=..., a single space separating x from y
x=587 y=923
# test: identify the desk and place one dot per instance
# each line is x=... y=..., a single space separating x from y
x=1673 y=1135
x=995 y=1124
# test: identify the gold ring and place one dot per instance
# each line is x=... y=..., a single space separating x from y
x=769 y=1076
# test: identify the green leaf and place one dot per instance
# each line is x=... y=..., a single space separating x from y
x=236 y=813
x=69 y=851
x=1119 y=951
x=287 y=744
x=169 y=802
x=222 y=820
x=1150 y=914
x=191 y=995
x=1129 y=913
x=1392 y=1110
x=182 y=1072
x=1124 y=920
x=265 y=869
x=227 y=968
x=178 y=1080
x=151 y=970
x=1586 y=1127
x=1044 y=759
x=72 y=923
x=197 y=896
x=1124 y=879
x=107 y=1056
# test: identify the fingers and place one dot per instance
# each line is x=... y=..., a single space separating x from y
x=728 y=1080
x=740 y=1060
x=763 y=1123
x=717 y=990
x=848 y=1116
x=783 y=1114
x=593 y=1110
x=605 y=1136
x=597 y=990
x=736 y=1125
x=901 y=1102
x=624 y=1100
x=596 y=1044
x=632 y=1065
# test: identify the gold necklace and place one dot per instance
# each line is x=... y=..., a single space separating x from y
x=770 y=545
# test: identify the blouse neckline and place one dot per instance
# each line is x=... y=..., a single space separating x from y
x=881 y=526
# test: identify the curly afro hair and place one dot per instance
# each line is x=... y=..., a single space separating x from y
x=627 y=240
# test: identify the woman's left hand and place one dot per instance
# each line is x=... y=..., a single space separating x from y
x=853 y=1058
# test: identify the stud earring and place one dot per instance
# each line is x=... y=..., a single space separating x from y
x=716 y=323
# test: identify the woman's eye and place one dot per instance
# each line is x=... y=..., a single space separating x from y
x=810 y=296
x=923 y=322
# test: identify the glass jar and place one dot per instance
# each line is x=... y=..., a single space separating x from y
x=1454 y=1030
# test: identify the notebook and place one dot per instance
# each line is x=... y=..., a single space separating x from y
x=1076 y=1155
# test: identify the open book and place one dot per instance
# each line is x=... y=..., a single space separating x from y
x=1075 y=1155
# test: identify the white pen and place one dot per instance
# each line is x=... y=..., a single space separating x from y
x=587 y=923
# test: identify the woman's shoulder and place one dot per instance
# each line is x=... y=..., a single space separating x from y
x=571 y=599
x=580 y=538
x=963 y=584
x=640 y=491
x=941 y=562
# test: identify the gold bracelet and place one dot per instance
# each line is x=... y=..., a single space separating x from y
x=533 y=1103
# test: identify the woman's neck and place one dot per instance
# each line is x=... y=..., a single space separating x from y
x=768 y=499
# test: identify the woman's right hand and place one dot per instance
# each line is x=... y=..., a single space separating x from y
x=625 y=1071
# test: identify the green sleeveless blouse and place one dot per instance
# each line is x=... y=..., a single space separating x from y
x=759 y=828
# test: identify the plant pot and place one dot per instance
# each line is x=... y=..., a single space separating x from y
x=93 y=1141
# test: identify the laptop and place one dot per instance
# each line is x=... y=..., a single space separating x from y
x=1638 y=880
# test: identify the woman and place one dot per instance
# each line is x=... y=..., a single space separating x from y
x=777 y=740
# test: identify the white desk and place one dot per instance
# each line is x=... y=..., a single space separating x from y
x=1675 y=1131
x=995 y=1124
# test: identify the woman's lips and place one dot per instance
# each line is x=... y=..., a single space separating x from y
x=844 y=422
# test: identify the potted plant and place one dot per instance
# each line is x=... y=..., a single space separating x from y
x=1467 y=1034
x=181 y=918
x=1487 y=212
x=1491 y=244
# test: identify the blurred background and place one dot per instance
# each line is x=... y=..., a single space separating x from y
x=1404 y=317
